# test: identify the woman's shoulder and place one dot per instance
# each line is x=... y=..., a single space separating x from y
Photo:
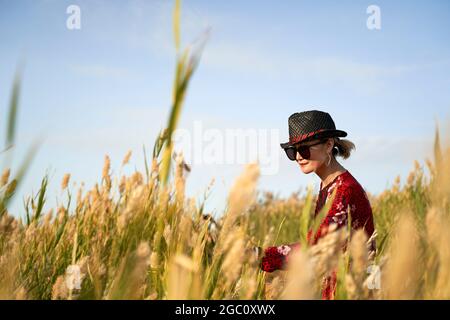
x=346 y=183
x=353 y=187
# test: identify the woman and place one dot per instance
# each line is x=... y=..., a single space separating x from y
x=314 y=143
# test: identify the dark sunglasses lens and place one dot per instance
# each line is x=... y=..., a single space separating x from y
x=291 y=153
x=304 y=152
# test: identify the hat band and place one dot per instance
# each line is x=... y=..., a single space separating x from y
x=296 y=139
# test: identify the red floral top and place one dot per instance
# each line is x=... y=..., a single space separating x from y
x=349 y=194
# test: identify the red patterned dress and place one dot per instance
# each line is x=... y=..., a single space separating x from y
x=349 y=194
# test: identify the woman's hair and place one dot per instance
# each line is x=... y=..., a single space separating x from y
x=342 y=147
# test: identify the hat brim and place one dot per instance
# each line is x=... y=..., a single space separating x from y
x=322 y=134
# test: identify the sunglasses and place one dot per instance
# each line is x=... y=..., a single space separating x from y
x=304 y=151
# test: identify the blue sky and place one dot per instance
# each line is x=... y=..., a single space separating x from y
x=106 y=88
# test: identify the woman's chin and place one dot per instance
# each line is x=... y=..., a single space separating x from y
x=306 y=168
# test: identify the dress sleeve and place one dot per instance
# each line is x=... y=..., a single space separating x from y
x=275 y=258
x=362 y=217
x=353 y=200
x=338 y=211
x=347 y=198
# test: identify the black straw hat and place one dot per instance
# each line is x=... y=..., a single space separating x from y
x=309 y=125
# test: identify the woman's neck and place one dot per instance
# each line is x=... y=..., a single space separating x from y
x=327 y=174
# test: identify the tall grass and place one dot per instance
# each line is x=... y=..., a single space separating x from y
x=140 y=237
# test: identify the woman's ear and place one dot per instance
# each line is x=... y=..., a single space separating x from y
x=329 y=145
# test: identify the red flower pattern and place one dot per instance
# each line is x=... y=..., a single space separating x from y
x=349 y=194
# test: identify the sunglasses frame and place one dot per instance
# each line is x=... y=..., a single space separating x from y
x=303 y=150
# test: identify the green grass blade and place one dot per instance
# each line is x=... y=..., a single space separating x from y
x=21 y=173
x=437 y=148
x=12 y=113
x=176 y=24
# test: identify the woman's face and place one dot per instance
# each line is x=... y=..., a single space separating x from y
x=319 y=155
